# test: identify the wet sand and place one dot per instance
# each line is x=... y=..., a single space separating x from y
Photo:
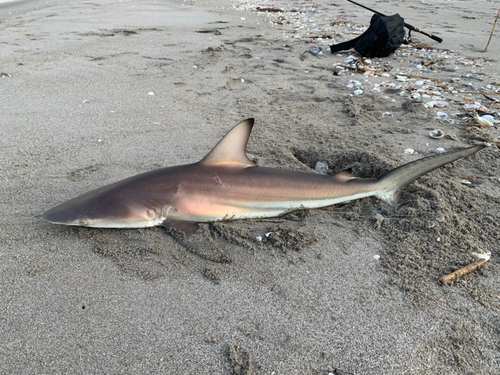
x=94 y=92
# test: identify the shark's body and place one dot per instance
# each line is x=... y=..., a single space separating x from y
x=226 y=185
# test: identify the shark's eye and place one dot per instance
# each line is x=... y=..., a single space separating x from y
x=84 y=221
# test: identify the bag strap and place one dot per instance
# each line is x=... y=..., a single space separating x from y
x=344 y=46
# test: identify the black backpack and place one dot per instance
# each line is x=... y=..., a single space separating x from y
x=383 y=37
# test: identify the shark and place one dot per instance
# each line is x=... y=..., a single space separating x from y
x=226 y=185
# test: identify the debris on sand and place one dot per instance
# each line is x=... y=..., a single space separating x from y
x=483 y=258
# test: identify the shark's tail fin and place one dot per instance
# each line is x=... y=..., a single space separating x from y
x=392 y=182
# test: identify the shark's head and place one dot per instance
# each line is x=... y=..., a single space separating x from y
x=110 y=208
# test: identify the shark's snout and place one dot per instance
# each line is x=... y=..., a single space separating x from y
x=62 y=215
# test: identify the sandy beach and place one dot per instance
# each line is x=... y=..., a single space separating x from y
x=94 y=92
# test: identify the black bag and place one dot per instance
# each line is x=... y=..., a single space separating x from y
x=382 y=38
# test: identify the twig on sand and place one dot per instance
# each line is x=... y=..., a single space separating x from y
x=494 y=25
x=467 y=269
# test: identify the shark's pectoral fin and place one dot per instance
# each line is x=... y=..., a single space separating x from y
x=187 y=227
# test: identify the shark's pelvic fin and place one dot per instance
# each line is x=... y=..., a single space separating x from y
x=232 y=148
x=390 y=184
x=344 y=176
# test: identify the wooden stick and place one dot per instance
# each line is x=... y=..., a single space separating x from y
x=467 y=269
x=494 y=25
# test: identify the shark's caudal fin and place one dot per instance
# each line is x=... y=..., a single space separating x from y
x=389 y=184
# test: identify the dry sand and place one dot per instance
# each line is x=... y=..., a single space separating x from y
x=315 y=298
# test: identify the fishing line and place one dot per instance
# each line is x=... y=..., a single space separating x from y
x=38 y=120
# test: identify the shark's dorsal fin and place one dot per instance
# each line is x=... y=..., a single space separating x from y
x=232 y=148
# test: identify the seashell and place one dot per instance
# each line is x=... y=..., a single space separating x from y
x=358 y=92
x=409 y=151
x=437 y=104
x=440 y=149
x=468 y=100
x=483 y=122
x=436 y=134
x=419 y=83
x=442 y=114
x=401 y=78
x=469 y=106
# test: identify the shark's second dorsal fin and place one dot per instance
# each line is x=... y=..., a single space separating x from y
x=232 y=148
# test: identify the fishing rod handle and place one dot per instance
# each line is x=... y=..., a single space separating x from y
x=436 y=38
x=413 y=28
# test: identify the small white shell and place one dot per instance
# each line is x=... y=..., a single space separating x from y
x=469 y=106
x=486 y=256
x=437 y=104
x=436 y=134
x=440 y=149
x=484 y=122
x=358 y=92
x=409 y=151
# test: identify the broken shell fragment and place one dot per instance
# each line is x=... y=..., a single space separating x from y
x=436 y=134
x=409 y=151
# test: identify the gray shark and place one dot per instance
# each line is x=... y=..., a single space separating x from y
x=227 y=185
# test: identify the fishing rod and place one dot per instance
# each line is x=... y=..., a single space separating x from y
x=408 y=26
